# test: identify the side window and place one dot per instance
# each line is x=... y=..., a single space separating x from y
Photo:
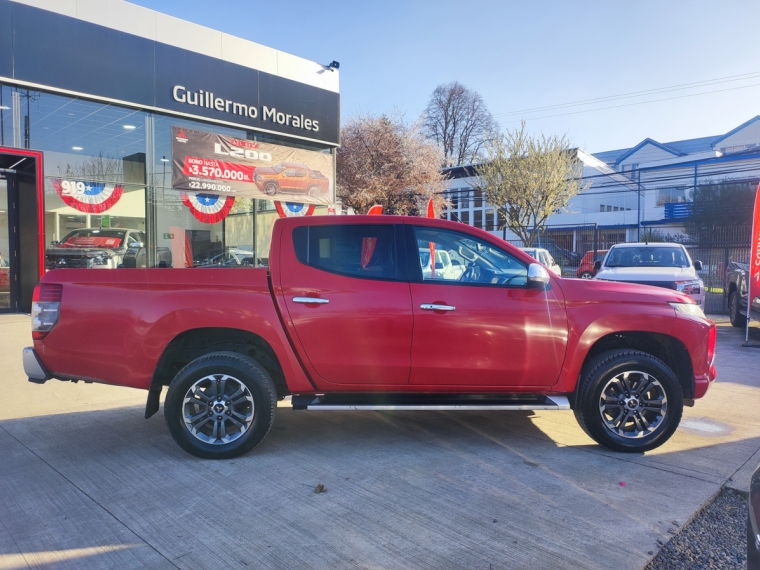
x=299 y=172
x=366 y=251
x=465 y=259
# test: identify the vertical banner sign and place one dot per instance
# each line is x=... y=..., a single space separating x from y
x=753 y=279
x=431 y=214
x=210 y=163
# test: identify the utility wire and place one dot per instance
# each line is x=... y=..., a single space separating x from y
x=637 y=103
x=653 y=91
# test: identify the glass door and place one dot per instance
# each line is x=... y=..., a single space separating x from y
x=5 y=247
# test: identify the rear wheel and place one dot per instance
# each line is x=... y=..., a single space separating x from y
x=314 y=192
x=220 y=406
x=629 y=400
x=736 y=318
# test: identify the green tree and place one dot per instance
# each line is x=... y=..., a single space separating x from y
x=527 y=179
x=718 y=206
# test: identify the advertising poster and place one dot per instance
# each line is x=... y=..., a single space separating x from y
x=209 y=163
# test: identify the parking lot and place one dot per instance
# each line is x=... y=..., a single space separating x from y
x=86 y=482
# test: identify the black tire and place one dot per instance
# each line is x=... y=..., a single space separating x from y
x=736 y=318
x=605 y=372
x=270 y=188
x=231 y=374
x=587 y=275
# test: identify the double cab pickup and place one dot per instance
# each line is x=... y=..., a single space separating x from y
x=346 y=318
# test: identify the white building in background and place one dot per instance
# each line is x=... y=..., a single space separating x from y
x=649 y=185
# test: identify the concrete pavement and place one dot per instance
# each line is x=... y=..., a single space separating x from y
x=85 y=482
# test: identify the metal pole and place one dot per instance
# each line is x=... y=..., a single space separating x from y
x=749 y=286
x=638 y=214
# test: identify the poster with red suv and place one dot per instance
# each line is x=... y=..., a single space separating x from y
x=209 y=163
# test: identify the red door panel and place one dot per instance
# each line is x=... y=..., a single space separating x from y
x=363 y=333
x=510 y=337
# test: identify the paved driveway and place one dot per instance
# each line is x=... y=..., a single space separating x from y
x=85 y=482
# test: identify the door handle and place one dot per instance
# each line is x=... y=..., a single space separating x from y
x=434 y=307
x=313 y=300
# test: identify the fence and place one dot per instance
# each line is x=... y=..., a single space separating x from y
x=576 y=248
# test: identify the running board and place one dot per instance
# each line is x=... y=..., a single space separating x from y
x=428 y=402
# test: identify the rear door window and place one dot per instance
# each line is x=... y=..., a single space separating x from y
x=364 y=251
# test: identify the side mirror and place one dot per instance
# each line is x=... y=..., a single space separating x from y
x=597 y=265
x=698 y=265
x=538 y=277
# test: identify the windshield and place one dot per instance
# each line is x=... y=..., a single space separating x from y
x=645 y=256
x=93 y=238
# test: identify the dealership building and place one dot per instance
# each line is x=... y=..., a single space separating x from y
x=130 y=138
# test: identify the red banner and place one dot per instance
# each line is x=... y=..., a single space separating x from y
x=754 y=260
x=368 y=250
x=211 y=163
x=217 y=169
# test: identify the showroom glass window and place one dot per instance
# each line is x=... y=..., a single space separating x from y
x=94 y=170
x=109 y=167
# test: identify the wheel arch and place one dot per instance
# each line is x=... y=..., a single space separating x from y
x=193 y=343
x=665 y=347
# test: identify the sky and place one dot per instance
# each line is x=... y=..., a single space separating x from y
x=697 y=62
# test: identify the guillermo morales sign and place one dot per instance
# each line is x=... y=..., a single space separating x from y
x=208 y=100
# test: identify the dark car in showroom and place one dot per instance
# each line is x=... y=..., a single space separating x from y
x=93 y=248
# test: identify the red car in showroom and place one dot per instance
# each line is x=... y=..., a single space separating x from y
x=345 y=318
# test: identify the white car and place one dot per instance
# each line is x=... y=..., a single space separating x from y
x=544 y=257
x=445 y=267
x=659 y=264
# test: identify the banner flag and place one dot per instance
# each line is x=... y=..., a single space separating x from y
x=293 y=209
x=753 y=279
x=211 y=163
x=87 y=196
x=754 y=268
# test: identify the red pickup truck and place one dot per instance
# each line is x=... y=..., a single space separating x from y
x=345 y=318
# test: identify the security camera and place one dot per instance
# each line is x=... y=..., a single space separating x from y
x=332 y=66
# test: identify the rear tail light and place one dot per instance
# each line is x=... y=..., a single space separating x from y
x=711 y=344
x=46 y=306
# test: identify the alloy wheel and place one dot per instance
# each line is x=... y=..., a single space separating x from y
x=218 y=409
x=633 y=404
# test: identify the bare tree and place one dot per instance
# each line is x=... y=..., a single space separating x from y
x=383 y=160
x=527 y=179
x=457 y=119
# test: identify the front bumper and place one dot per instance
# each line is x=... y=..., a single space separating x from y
x=33 y=368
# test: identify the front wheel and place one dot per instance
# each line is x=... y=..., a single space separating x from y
x=734 y=315
x=270 y=188
x=220 y=406
x=628 y=400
